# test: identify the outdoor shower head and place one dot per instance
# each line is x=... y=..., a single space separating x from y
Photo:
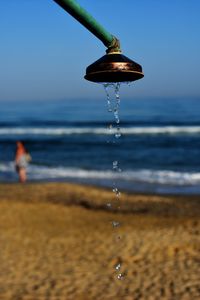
x=114 y=67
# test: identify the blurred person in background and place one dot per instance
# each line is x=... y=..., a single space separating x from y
x=22 y=158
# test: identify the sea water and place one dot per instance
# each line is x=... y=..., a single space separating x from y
x=67 y=141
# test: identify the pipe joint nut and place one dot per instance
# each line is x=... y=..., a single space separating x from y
x=114 y=47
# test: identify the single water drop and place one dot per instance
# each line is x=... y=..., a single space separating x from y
x=115 y=224
x=115 y=164
x=117 y=267
x=118 y=135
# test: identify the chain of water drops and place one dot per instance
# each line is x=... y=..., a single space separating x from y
x=113 y=107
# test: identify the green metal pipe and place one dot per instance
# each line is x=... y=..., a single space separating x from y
x=82 y=16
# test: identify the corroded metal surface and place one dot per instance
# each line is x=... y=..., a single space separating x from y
x=114 y=68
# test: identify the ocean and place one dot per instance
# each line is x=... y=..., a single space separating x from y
x=74 y=141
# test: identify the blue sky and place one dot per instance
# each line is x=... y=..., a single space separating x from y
x=44 y=51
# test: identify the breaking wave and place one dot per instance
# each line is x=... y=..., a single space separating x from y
x=166 y=130
x=159 y=177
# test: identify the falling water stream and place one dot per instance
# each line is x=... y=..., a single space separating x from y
x=113 y=104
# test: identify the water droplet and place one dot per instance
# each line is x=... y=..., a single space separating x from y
x=117 y=135
x=120 y=276
x=109 y=204
x=118 y=121
x=117 y=267
x=115 y=224
x=117 y=192
x=115 y=164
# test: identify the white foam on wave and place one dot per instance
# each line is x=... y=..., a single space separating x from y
x=168 y=130
x=160 y=177
x=164 y=130
x=164 y=177
x=7 y=167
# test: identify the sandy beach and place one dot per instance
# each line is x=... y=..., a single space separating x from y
x=70 y=242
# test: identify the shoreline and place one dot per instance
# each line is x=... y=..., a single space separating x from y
x=98 y=198
x=102 y=187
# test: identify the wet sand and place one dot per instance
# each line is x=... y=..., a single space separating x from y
x=57 y=242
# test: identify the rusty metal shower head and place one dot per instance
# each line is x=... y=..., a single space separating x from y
x=114 y=67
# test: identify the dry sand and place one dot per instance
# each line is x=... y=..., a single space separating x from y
x=57 y=242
